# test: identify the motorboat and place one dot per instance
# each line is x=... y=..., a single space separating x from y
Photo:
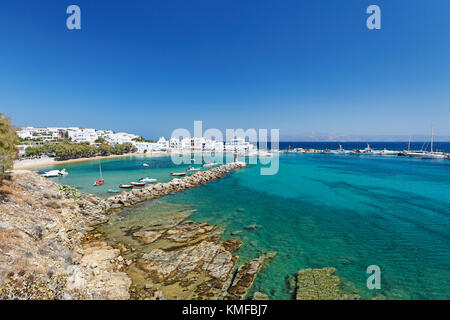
x=113 y=191
x=126 y=186
x=386 y=152
x=146 y=165
x=138 y=184
x=55 y=173
x=193 y=169
x=147 y=180
x=178 y=174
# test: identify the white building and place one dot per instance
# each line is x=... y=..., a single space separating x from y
x=239 y=145
x=83 y=135
x=143 y=147
x=120 y=137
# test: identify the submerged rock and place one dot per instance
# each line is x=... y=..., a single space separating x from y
x=260 y=296
x=245 y=276
x=147 y=237
x=320 y=284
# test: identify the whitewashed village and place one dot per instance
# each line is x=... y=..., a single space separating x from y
x=32 y=136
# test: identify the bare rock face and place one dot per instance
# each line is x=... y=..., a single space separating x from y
x=193 y=263
x=320 y=284
x=43 y=226
x=99 y=273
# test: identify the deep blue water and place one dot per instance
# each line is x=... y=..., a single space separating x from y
x=320 y=210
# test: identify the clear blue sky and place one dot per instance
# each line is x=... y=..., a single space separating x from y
x=149 y=67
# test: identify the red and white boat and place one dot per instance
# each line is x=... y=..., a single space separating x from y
x=126 y=186
x=138 y=184
x=178 y=174
x=101 y=181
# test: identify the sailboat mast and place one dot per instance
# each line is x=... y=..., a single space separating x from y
x=409 y=143
x=432 y=134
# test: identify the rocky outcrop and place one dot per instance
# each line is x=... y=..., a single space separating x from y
x=175 y=185
x=260 y=296
x=189 y=262
x=245 y=276
x=42 y=230
x=320 y=284
x=100 y=273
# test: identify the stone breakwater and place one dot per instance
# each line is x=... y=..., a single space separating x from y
x=175 y=185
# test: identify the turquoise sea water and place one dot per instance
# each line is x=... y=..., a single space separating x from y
x=347 y=212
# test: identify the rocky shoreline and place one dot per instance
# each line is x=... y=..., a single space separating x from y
x=49 y=231
x=52 y=247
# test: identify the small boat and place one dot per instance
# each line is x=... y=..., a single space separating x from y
x=113 y=191
x=51 y=174
x=147 y=180
x=146 y=165
x=101 y=181
x=55 y=173
x=209 y=164
x=386 y=152
x=126 y=186
x=178 y=173
x=138 y=184
x=193 y=169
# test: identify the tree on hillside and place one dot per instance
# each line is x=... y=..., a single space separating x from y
x=8 y=141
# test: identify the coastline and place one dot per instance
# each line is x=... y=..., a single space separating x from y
x=144 y=264
x=33 y=164
x=85 y=265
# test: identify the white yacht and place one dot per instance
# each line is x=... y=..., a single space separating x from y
x=55 y=173
x=147 y=180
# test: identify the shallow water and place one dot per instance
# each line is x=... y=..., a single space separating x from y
x=347 y=212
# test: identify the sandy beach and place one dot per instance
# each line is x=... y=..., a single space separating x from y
x=32 y=164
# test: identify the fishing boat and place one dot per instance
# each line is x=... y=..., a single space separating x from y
x=113 y=191
x=138 y=184
x=101 y=181
x=147 y=180
x=178 y=173
x=367 y=149
x=126 y=186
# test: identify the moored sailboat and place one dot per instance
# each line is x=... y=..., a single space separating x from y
x=101 y=181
